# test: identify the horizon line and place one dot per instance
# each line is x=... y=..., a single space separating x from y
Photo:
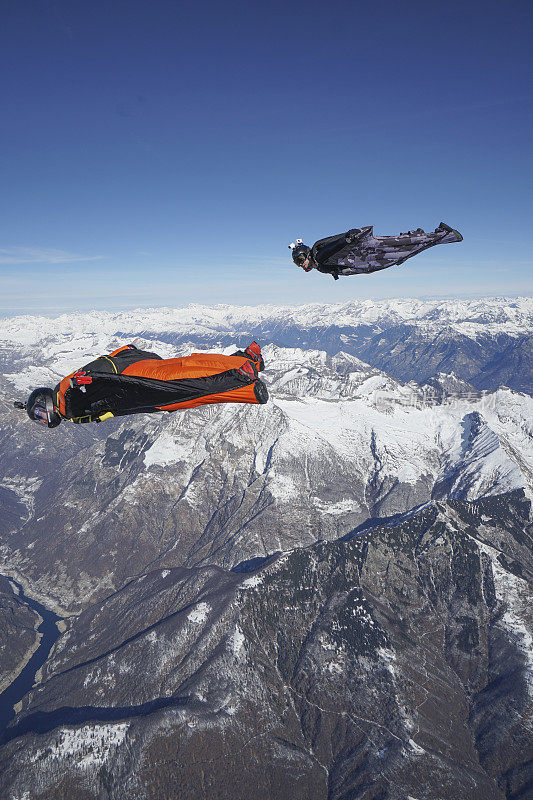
x=56 y=313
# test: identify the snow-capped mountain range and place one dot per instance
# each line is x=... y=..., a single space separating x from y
x=487 y=343
x=280 y=580
x=339 y=443
x=513 y=316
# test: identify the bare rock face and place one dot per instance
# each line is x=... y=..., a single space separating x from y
x=393 y=664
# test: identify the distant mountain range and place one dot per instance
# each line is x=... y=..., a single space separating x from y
x=328 y=596
x=485 y=342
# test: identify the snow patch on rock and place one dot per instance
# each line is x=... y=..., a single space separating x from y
x=85 y=747
x=237 y=641
x=165 y=450
x=199 y=614
x=252 y=582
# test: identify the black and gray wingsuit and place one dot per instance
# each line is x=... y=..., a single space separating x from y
x=358 y=250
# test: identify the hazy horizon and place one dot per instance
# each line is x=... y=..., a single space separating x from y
x=177 y=307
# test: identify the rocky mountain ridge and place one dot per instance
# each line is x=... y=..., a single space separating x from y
x=393 y=664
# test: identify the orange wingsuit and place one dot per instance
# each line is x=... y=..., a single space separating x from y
x=129 y=381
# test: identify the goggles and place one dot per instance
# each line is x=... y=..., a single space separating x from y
x=40 y=414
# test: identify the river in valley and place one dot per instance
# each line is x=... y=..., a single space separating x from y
x=25 y=680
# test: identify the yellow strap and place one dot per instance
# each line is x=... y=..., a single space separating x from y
x=90 y=418
x=111 y=362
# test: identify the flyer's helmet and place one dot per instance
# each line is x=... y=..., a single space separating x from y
x=40 y=407
x=300 y=252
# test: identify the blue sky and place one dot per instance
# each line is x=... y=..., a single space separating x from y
x=157 y=153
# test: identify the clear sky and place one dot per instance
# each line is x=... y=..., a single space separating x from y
x=157 y=152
